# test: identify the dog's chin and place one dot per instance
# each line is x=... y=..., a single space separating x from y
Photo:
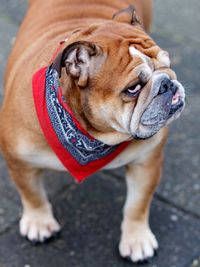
x=150 y=125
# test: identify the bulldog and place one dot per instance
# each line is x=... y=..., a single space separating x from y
x=86 y=88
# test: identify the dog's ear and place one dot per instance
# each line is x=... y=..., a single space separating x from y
x=78 y=59
x=127 y=15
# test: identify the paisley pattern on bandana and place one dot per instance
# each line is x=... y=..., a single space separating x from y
x=80 y=153
x=83 y=148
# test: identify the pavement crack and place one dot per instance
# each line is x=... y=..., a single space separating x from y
x=163 y=199
x=178 y=207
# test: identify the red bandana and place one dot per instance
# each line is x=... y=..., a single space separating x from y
x=80 y=153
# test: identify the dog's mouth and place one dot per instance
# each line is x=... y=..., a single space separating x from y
x=177 y=103
x=162 y=108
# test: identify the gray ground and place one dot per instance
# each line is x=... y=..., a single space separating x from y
x=86 y=212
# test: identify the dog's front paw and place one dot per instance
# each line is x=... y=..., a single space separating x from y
x=137 y=242
x=38 y=225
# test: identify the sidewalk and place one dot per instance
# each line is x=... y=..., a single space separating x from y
x=90 y=222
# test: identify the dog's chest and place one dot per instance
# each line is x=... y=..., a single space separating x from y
x=45 y=158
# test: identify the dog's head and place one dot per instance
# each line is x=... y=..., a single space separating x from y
x=118 y=81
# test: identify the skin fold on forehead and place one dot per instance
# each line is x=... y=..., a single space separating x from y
x=146 y=68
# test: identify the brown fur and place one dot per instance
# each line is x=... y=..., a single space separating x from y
x=45 y=24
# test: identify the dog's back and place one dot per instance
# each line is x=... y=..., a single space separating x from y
x=47 y=22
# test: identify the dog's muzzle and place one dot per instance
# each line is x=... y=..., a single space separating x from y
x=166 y=105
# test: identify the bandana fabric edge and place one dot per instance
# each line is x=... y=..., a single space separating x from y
x=79 y=172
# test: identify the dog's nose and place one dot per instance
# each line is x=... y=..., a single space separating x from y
x=167 y=85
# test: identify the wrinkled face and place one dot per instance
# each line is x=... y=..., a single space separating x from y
x=126 y=86
x=159 y=96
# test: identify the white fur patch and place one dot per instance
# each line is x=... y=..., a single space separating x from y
x=38 y=224
x=163 y=58
x=134 y=52
x=137 y=241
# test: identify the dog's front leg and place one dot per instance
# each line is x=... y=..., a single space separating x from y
x=37 y=222
x=137 y=241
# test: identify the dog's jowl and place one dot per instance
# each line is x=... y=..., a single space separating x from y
x=86 y=89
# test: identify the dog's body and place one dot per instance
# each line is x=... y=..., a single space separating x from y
x=21 y=138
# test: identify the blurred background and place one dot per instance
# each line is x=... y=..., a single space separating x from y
x=86 y=212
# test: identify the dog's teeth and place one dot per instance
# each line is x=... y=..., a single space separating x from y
x=175 y=101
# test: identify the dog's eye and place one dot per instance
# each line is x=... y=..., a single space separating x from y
x=134 y=90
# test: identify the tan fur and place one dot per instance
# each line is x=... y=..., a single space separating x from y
x=45 y=24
